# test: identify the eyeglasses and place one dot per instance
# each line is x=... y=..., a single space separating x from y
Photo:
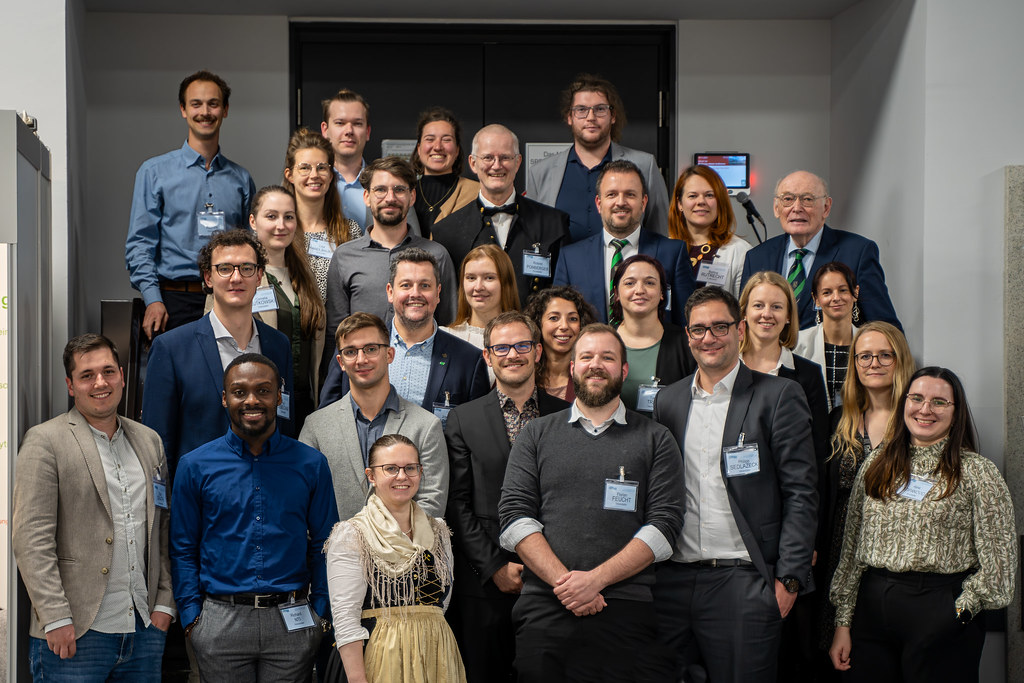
x=489 y=159
x=381 y=191
x=411 y=471
x=697 y=332
x=885 y=359
x=369 y=350
x=303 y=170
x=228 y=269
x=806 y=200
x=937 y=404
x=600 y=111
x=521 y=348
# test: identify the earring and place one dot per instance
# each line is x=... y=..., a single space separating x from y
x=817 y=316
x=856 y=313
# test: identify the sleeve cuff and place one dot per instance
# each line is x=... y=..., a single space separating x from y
x=656 y=541
x=151 y=295
x=60 y=623
x=166 y=610
x=515 y=532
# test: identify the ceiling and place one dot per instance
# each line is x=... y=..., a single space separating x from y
x=517 y=10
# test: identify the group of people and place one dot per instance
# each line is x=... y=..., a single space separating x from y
x=401 y=425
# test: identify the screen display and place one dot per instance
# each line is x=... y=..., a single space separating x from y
x=732 y=167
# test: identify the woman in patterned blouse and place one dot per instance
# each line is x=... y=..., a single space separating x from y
x=930 y=543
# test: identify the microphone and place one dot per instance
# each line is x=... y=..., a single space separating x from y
x=744 y=199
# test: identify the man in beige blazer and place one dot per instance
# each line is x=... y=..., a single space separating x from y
x=89 y=531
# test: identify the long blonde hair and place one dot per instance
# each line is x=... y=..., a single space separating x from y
x=791 y=332
x=506 y=277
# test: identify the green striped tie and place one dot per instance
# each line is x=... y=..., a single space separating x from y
x=616 y=260
x=797 y=278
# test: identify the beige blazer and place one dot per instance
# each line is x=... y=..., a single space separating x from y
x=62 y=527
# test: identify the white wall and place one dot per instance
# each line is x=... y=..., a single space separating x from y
x=134 y=63
x=755 y=86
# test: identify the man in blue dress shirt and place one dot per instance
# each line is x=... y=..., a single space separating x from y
x=346 y=125
x=181 y=198
x=250 y=514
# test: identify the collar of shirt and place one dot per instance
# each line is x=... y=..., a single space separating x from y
x=221 y=332
x=340 y=179
x=428 y=343
x=489 y=204
x=811 y=246
x=574 y=158
x=723 y=385
x=241 y=448
x=633 y=238
x=103 y=435
x=390 y=404
x=503 y=400
x=575 y=415
x=194 y=158
x=377 y=245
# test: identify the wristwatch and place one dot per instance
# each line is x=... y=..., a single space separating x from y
x=792 y=584
x=964 y=615
x=325 y=625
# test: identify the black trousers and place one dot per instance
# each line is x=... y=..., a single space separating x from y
x=182 y=307
x=904 y=630
x=720 y=624
x=486 y=637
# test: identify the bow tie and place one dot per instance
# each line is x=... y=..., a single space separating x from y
x=489 y=211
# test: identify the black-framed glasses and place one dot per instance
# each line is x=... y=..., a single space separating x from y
x=521 y=348
x=806 y=200
x=304 y=170
x=697 y=332
x=381 y=191
x=600 y=111
x=369 y=350
x=228 y=269
x=412 y=470
x=885 y=359
x=937 y=404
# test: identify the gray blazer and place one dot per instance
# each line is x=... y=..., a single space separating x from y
x=62 y=524
x=544 y=179
x=332 y=431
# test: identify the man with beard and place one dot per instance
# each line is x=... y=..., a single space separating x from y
x=357 y=278
x=480 y=435
x=250 y=512
x=592 y=497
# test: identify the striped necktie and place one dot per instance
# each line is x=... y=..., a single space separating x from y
x=616 y=260
x=797 y=278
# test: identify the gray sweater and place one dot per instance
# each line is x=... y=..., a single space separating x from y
x=556 y=475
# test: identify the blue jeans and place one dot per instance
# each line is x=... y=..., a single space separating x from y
x=102 y=657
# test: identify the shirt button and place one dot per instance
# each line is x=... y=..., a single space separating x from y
x=109 y=541
x=257 y=518
x=104 y=571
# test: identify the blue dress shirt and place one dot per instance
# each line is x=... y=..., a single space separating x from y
x=371 y=430
x=410 y=371
x=250 y=524
x=576 y=196
x=163 y=234
x=352 y=204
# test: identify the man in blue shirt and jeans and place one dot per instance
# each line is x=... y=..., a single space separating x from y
x=181 y=198
x=250 y=512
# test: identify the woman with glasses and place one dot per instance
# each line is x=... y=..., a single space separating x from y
x=701 y=215
x=309 y=176
x=389 y=572
x=437 y=159
x=929 y=545
x=287 y=298
x=487 y=287
x=656 y=351
x=560 y=313
x=834 y=290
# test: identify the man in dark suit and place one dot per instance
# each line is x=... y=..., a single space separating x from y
x=751 y=504
x=431 y=369
x=480 y=435
x=802 y=204
x=498 y=216
x=181 y=398
x=587 y=265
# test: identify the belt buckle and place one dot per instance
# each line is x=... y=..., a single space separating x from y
x=256 y=601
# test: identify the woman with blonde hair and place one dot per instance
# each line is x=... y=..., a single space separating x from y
x=487 y=287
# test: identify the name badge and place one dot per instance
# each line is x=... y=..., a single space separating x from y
x=441 y=411
x=536 y=264
x=713 y=273
x=741 y=460
x=916 y=489
x=645 y=397
x=668 y=298
x=159 y=493
x=620 y=495
x=297 y=615
x=209 y=222
x=284 y=411
x=321 y=248
x=265 y=300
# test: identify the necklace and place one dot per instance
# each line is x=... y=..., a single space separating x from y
x=705 y=249
x=432 y=207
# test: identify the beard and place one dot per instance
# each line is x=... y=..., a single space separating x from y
x=595 y=398
x=387 y=220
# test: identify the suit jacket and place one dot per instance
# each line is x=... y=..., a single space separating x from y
x=535 y=223
x=776 y=510
x=478 y=447
x=62 y=521
x=675 y=360
x=808 y=375
x=581 y=265
x=545 y=181
x=466 y=190
x=458 y=369
x=332 y=431
x=859 y=253
x=184 y=380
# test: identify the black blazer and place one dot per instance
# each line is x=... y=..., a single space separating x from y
x=675 y=360
x=458 y=368
x=534 y=223
x=478 y=451
x=776 y=510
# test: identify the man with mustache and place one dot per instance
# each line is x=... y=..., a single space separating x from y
x=250 y=512
x=182 y=198
x=592 y=497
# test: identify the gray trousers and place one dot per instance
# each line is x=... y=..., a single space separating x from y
x=236 y=643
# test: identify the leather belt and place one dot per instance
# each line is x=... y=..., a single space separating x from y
x=190 y=286
x=719 y=563
x=257 y=600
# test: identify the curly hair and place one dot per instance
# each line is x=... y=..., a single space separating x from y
x=537 y=305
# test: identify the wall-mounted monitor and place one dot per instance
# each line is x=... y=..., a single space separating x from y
x=732 y=167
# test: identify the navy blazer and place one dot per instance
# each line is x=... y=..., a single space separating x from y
x=458 y=369
x=181 y=397
x=859 y=253
x=581 y=265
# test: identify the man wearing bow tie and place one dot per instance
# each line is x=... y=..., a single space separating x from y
x=531 y=233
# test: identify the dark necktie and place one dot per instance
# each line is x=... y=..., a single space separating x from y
x=616 y=260
x=797 y=278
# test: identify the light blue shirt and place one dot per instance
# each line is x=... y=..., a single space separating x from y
x=352 y=204
x=410 y=371
x=812 y=250
x=163 y=232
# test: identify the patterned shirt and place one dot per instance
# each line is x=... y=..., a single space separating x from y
x=516 y=419
x=972 y=529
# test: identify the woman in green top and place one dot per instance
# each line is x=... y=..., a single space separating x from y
x=287 y=298
x=930 y=543
x=656 y=351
